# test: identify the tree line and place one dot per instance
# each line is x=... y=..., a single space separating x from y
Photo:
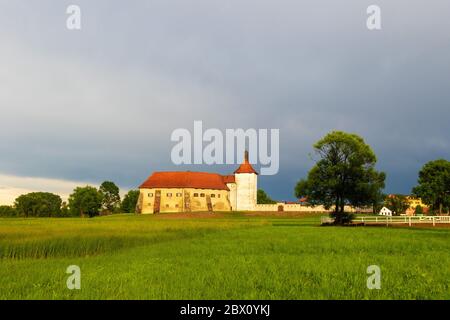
x=84 y=201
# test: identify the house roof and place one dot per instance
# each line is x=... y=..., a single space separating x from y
x=229 y=179
x=187 y=179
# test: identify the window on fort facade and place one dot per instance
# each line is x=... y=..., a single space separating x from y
x=169 y=194
x=178 y=194
x=196 y=195
x=202 y=195
x=150 y=195
x=213 y=195
x=218 y=196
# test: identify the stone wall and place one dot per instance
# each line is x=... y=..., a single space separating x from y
x=296 y=207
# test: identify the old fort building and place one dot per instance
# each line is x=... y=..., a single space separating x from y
x=199 y=191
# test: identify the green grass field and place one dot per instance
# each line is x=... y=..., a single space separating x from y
x=232 y=256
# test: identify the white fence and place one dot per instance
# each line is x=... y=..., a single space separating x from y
x=409 y=220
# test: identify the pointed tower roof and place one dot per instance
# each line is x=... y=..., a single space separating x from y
x=245 y=167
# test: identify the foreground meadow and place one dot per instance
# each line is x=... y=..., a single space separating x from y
x=228 y=256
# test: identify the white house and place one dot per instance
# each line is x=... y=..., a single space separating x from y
x=385 y=212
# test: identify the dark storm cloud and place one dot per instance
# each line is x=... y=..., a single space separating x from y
x=101 y=103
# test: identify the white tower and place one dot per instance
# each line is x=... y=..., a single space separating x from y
x=246 y=186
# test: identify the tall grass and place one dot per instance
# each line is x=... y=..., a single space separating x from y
x=46 y=237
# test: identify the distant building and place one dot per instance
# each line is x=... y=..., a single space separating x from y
x=415 y=201
x=199 y=191
x=385 y=212
x=412 y=202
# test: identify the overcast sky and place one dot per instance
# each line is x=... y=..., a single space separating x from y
x=100 y=103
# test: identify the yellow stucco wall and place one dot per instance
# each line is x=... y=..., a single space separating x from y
x=172 y=199
x=414 y=202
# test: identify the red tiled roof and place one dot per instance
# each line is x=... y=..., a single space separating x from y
x=245 y=167
x=177 y=179
x=229 y=179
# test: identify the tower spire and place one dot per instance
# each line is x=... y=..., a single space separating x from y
x=245 y=167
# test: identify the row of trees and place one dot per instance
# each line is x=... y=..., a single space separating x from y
x=344 y=174
x=84 y=201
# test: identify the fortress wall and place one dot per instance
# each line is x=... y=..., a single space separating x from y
x=296 y=207
x=175 y=202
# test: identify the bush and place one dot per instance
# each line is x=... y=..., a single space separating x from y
x=129 y=201
x=65 y=211
x=8 y=211
x=38 y=204
x=111 y=198
x=85 y=201
x=263 y=198
x=419 y=210
x=346 y=217
x=397 y=203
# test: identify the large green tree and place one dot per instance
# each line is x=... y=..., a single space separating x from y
x=85 y=201
x=111 y=197
x=38 y=204
x=434 y=184
x=343 y=175
x=129 y=201
x=263 y=198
